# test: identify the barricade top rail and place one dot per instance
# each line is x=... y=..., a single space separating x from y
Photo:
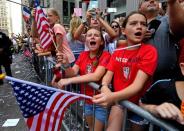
x=141 y=112
x=134 y=108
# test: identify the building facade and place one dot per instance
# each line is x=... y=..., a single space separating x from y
x=5 y=21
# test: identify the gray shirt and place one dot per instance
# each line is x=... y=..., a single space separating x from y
x=167 y=51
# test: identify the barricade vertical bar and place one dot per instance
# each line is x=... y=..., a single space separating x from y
x=124 y=122
x=151 y=127
x=83 y=115
x=70 y=122
x=46 y=69
x=93 y=113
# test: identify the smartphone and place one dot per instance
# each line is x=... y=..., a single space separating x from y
x=153 y=26
x=93 y=13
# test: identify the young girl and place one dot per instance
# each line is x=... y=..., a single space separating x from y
x=59 y=34
x=91 y=65
x=131 y=68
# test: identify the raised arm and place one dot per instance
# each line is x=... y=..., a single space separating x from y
x=107 y=27
x=176 y=17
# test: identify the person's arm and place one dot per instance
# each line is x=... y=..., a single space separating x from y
x=176 y=17
x=107 y=27
x=164 y=110
x=91 y=77
x=109 y=98
x=78 y=33
x=59 y=41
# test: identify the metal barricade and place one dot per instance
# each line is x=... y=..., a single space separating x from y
x=74 y=116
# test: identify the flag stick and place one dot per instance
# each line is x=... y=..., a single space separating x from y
x=46 y=87
x=19 y=3
x=55 y=45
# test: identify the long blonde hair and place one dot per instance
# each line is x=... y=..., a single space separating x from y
x=74 y=24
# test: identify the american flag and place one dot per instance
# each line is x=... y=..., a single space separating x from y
x=43 y=27
x=26 y=14
x=27 y=53
x=42 y=107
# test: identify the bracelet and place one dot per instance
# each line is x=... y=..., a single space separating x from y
x=66 y=66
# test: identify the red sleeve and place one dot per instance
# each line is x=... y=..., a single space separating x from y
x=59 y=29
x=111 y=64
x=149 y=57
x=104 y=59
x=81 y=58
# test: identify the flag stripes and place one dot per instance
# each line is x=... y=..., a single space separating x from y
x=43 y=27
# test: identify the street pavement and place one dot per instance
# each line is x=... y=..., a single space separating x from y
x=22 y=69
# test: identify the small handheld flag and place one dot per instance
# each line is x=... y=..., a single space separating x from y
x=26 y=14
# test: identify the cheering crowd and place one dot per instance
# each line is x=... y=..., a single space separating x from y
x=142 y=57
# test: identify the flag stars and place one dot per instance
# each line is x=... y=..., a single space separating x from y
x=32 y=90
x=28 y=87
x=24 y=101
x=17 y=88
x=22 y=92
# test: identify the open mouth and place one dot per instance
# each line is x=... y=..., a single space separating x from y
x=138 y=34
x=92 y=43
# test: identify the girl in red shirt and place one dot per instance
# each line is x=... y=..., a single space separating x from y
x=91 y=65
x=131 y=69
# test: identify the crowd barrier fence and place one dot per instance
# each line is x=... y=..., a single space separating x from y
x=74 y=118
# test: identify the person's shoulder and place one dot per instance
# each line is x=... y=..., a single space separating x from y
x=57 y=25
x=162 y=84
x=84 y=53
x=148 y=47
x=106 y=53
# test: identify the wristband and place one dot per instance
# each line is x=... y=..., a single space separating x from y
x=66 y=66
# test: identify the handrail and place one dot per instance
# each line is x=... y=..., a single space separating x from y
x=141 y=112
x=138 y=110
x=148 y=116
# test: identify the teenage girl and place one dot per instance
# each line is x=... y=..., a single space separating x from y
x=131 y=69
x=91 y=65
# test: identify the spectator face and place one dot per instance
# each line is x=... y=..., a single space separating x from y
x=94 y=23
x=149 y=6
x=94 y=39
x=52 y=19
x=135 y=28
x=116 y=28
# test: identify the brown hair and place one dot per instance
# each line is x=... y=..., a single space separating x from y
x=132 y=13
x=55 y=12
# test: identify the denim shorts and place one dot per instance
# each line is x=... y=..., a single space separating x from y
x=100 y=113
x=136 y=119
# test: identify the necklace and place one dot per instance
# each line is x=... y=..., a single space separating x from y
x=128 y=47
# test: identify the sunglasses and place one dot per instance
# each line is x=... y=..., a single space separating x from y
x=114 y=26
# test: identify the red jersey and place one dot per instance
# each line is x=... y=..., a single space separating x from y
x=126 y=63
x=88 y=65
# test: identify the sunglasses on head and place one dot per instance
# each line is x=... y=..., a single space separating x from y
x=114 y=26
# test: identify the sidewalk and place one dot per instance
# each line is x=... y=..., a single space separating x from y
x=22 y=69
